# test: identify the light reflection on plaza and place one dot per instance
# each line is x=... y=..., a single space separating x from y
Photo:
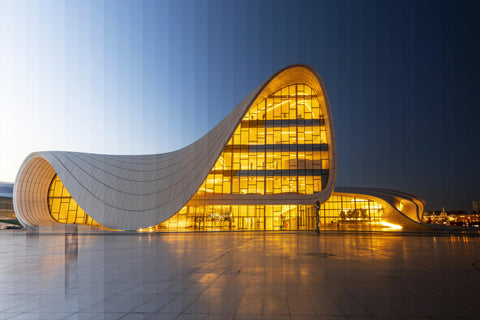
x=222 y=269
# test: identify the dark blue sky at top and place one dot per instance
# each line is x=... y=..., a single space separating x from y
x=401 y=76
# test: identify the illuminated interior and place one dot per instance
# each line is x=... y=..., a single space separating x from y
x=350 y=210
x=63 y=207
x=338 y=212
x=280 y=147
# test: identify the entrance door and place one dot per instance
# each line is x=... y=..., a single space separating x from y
x=302 y=218
x=200 y=223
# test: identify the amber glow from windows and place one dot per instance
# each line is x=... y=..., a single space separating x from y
x=351 y=209
x=63 y=207
x=339 y=212
x=280 y=147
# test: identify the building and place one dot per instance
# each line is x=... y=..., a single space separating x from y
x=476 y=207
x=6 y=201
x=460 y=218
x=261 y=168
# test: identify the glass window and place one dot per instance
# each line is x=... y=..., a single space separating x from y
x=63 y=208
x=275 y=150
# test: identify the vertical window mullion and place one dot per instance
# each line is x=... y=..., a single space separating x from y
x=296 y=132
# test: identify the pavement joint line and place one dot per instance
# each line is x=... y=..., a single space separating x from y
x=476 y=265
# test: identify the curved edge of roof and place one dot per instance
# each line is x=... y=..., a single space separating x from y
x=131 y=192
x=407 y=209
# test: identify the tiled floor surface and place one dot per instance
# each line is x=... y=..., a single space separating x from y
x=259 y=275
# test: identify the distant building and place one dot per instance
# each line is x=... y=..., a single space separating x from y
x=261 y=168
x=476 y=207
x=6 y=201
x=452 y=217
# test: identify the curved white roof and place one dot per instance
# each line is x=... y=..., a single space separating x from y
x=128 y=192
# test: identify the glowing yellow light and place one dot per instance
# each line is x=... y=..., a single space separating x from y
x=218 y=165
x=277 y=105
x=400 y=206
x=391 y=225
x=304 y=102
x=246 y=118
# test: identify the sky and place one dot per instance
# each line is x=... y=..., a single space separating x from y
x=143 y=77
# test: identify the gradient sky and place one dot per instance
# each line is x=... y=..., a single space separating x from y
x=137 y=77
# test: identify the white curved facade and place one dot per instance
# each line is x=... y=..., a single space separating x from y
x=132 y=192
x=261 y=168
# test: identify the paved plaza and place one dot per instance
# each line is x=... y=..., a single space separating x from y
x=254 y=275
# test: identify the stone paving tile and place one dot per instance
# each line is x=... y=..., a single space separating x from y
x=136 y=316
x=219 y=316
x=275 y=305
x=263 y=275
x=303 y=317
x=96 y=316
x=351 y=307
x=300 y=305
x=150 y=287
x=239 y=316
x=178 y=304
x=119 y=303
x=226 y=305
x=203 y=304
x=276 y=317
x=154 y=304
x=325 y=306
x=39 y=315
x=377 y=308
x=163 y=316
x=192 y=316
x=251 y=305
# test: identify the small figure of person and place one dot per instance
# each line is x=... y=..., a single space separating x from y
x=317 y=216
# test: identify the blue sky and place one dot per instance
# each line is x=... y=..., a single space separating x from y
x=136 y=77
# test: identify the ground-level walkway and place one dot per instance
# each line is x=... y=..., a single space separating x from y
x=240 y=275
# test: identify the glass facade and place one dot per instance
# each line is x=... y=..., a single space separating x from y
x=63 y=207
x=345 y=209
x=339 y=212
x=241 y=217
x=280 y=147
x=343 y=212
